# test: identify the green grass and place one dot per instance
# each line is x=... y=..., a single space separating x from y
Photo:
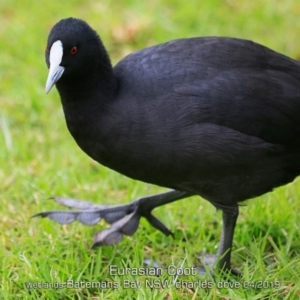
x=38 y=158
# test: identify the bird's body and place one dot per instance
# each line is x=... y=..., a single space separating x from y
x=216 y=117
x=211 y=116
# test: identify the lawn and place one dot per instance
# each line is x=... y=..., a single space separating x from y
x=39 y=159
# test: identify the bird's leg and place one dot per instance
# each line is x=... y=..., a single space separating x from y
x=124 y=218
x=230 y=215
x=221 y=260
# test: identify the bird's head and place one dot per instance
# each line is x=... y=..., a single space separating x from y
x=73 y=52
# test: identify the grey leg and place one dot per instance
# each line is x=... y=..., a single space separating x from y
x=230 y=215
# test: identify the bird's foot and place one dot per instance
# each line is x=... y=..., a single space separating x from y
x=124 y=218
x=208 y=268
x=211 y=262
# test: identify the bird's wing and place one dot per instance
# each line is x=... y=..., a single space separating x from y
x=264 y=103
x=229 y=82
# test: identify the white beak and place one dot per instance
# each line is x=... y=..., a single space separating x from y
x=55 y=70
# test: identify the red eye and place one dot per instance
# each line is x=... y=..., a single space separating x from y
x=73 y=50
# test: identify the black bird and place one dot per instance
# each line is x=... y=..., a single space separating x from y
x=213 y=116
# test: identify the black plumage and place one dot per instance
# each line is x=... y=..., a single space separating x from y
x=216 y=117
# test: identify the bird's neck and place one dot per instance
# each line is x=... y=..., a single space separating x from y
x=96 y=86
x=86 y=105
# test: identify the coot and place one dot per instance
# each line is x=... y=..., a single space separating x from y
x=213 y=116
